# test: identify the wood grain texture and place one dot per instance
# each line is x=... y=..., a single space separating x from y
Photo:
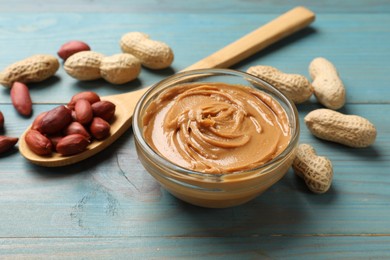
x=198 y=6
x=272 y=247
x=108 y=207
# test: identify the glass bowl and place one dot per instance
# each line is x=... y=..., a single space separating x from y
x=215 y=190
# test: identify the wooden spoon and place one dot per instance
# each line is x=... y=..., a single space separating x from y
x=284 y=25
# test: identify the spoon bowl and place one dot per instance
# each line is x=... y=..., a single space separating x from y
x=125 y=105
x=281 y=27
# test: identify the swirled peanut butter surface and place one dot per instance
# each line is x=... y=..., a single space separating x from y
x=216 y=127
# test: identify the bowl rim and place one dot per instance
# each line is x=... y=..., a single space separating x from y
x=157 y=158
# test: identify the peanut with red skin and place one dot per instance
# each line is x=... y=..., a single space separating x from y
x=76 y=128
x=104 y=109
x=6 y=143
x=99 y=128
x=55 y=120
x=83 y=111
x=73 y=113
x=91 y=96
x=38 y=143
x=1 y=120
x=38 y=120
x=21 y=99
x=54 y=139
x=69 y=48
x=59 y=130
x=72 y=144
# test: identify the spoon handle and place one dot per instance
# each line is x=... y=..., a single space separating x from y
x=282 y=26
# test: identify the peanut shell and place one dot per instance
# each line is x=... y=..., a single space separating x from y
x=84 y=65
x=294 y=86
x=350 y=130
x=120 y=68
x=317 y=171
x=328 y=87
x=152 y=54
x=32 y=69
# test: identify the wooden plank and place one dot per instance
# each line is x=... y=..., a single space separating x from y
x=268 y=247
x=112 y=195
x=199 y=6
x=361 y=53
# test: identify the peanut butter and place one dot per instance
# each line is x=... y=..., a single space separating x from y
x=216 y=127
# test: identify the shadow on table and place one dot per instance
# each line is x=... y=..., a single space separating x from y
x=284 y=210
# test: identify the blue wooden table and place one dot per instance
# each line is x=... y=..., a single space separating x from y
x=109 y=207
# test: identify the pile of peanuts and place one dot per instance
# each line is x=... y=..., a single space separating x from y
x=324 y=123
x=68 y=130
x=137 y=49
x=81 y=63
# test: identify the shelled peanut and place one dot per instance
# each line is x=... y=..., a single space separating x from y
x=21 y=99
x=1 y=121
x=6 y=142
x=71 y=47
x=69 y=129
